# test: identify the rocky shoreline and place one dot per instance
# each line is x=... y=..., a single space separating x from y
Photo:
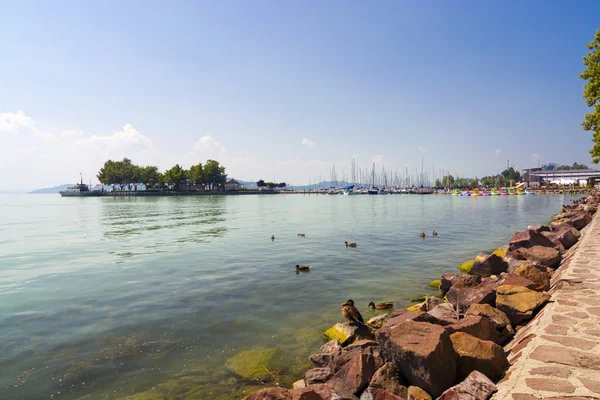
x=451 y=346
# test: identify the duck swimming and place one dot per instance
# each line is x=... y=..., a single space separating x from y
x=422 y=234
x=434 y=233
x=351 y=244
x=380 y=306
x=301 y=234
x=304 y=268
x=351 y=313
x=272 y=237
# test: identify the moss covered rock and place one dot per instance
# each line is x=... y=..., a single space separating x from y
x=435 y=284
x=501 y=252
x=252 y=364
x=466 y=266
x=346 y=333
x=417 y=307
x=420 y=298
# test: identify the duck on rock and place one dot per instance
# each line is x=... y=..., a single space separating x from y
x=352 y=313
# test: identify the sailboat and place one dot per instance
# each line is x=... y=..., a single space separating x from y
x=373 y=189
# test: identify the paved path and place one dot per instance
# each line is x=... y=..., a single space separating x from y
x=557 y=356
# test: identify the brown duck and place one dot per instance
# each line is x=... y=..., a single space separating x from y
x=380 y=306
x=351 y=313
x=351 y=244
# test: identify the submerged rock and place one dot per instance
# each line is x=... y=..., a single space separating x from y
x=519 y=303
x=252 y=364
x=478 y=355
x=476 y=386
x=423 y=352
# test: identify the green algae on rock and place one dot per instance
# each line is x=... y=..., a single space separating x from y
x=252 y=364
x=435 y=284
x=418 y=299
x=466 y=266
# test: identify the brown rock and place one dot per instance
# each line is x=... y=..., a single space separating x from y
x=539 y=228
x=539 y=255
x=476 y=386
x=423 y=352
x=580 y=221
x=399 y=316
x=464 y=296
x=320 y=392
x=448 y=280
x=519 y=303
x=477 y=326
x=355 y=376
x=528 y=238
x=337 y=359
x=431 y=302
x=416 y=393
x=331 y=346
x=270 y=394
x=491 y=265
x=516 y=280
x=318 y=375
x=443 y=314
x=478 y=355
x=498 y=318
x=387 y=379
x=539 y=277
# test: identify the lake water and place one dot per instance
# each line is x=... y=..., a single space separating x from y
x=105 y=298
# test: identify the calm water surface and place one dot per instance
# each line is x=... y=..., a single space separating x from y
x=145 y=298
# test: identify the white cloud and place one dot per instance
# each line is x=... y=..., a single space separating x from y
x=208 y=147
x=379 y=159
x=128 y=137
x=497 y=151
x=307 y=142
x=15 y=122
x=421 y=149
x=70 y=133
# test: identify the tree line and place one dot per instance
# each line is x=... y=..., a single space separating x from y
x=508 y=177
x=211 y=174
x=270 y=185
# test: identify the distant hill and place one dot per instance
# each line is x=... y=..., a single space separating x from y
x=54 y=189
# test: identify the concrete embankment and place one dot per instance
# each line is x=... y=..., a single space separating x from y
x=557 y=355
x=522 y=323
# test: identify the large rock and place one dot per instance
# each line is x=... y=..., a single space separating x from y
x=540 y=278
x=480 y=327
x=528 y=238
x=320 y=392
x=347 y=333
x=463 y=296
x=416 y=393
x=566 y=235
x=422 y=352
x=354 y=377
x=501 y=322
x=542 y=256
x=387 y=379
x=331 y=346
x=539 y=228
x=377 y=321
x=274 y=393
x=478 y=355
x=318 y=375
x=519 y=303
x=491 y=265
x=580 y=221
x=336 y=360
x=448 y=280
x=431 y=302
x=443 y=314
x=516 y=280
x=476 y=386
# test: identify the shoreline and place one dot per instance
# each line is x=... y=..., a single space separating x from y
x=477 y=312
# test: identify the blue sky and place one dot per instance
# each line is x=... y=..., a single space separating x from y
x=283 y=90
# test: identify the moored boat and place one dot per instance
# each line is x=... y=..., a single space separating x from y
x=79 y=190
x=456 y=193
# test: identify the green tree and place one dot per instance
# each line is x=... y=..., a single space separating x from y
x=214 y=174
x=569 y=167
x=591 y=182
x=591 y=93
x=197 y=174
x=176 y=175
x=148 y=175
x=117 y=172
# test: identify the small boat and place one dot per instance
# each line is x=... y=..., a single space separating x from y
x=495 y=192
x=486 y=193
x=465 y=193
x=476 y=192
x=512 y=191
x=520 y=192
x=504 y=192
x=528 y=192
x=456 y=193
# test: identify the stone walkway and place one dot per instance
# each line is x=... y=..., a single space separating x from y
x=557 y=355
